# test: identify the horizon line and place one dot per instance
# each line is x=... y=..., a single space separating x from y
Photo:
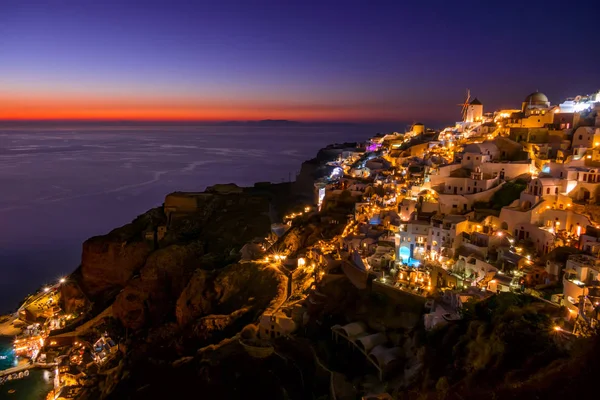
x=158 y=120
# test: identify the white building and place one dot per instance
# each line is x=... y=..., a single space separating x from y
x=477 y=182
x=411 y=241
x=474 y=111
x=580 y=103
x=445 y=234
x=275 y=325
x=581 y=272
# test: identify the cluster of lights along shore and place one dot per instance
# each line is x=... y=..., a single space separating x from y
x=33 y=342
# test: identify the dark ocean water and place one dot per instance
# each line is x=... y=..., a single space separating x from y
x=61 y=185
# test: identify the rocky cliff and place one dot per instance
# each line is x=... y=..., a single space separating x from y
x=182 y=288
x=212 y=306
x=316 y=168
x=145 y=277
x=173 y=278
x=108 y=262
x=149 y=298
x=73 y=300
x=248 y=285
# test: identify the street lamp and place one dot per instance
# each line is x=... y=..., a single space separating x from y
x=62 y=280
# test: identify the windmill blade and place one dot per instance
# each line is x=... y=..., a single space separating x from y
x=465 y=105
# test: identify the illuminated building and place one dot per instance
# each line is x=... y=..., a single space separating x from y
x=535 y=103
x=475 y=183
x=542 y=239
x=582 y=275
x=411 y=241
x=274 y=325
x=589 y=240
x=406 y=208
x=535 y=113
x=474 y=112
x=566 y=220
x=587 y=137
x=320 y=193
x=418 y=129
x=445 y=234
x=28 y=346
x=476 y=154
x=502 y=115
x=580 y=103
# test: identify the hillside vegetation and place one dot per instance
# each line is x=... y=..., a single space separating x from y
x=506 y=347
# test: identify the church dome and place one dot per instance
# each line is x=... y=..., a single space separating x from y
x=536 y=98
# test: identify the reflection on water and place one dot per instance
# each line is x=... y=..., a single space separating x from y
x=48 y=376
x=34 y=387
x=7 y=356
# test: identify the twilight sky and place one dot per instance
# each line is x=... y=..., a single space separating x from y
x=302 y=60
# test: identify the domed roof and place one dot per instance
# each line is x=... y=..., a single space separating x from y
x=536 y=98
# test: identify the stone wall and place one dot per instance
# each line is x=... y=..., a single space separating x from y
x=511 y=170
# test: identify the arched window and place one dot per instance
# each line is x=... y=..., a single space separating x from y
x=504 y=226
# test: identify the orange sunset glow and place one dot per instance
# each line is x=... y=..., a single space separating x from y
x=79 y=108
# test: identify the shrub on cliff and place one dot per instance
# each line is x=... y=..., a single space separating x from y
x=503 y=340
x=508 y=193
x=249 y=332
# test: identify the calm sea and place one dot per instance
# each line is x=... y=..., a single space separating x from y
x=61 y=185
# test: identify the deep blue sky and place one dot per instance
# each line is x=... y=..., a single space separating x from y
x=307 y=60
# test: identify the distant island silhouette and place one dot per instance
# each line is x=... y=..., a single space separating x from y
x=263 y=122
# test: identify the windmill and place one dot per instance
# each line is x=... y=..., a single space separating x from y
x=465 y=105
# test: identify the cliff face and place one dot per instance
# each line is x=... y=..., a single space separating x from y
x=223 y=292
x=225 y=371
x=203 y=231
x=213 y=306
x=108 y=262
x=73 y=300
x=173 y=279
x=223 y=223
x=149 y=298
x=299 y=237
x=196 y=298
x=308 y=232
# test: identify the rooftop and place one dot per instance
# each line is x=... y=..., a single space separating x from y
x=536 y=98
